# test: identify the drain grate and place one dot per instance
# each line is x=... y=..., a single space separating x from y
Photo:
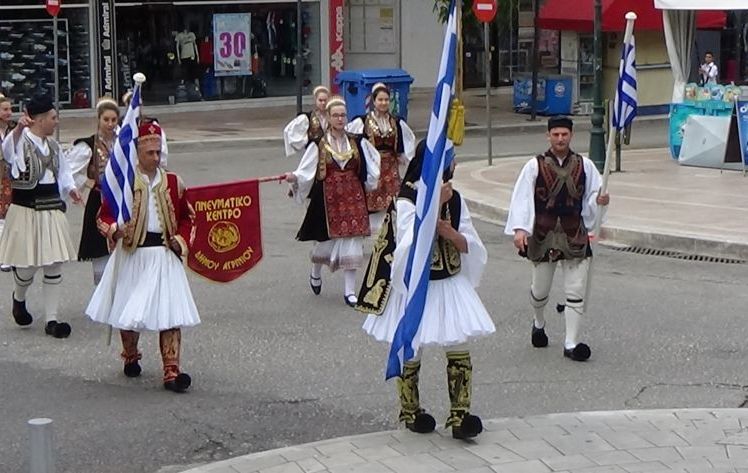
x=678 y=255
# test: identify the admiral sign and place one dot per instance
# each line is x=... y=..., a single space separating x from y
x=106 y=52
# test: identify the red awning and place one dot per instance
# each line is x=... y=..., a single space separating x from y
x=558 y=15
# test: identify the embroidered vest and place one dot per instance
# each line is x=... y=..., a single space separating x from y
x=382 y=141
x=37 y=164
x=316 y=130
x=445 y=257
x=99 y=158
x=559 y=231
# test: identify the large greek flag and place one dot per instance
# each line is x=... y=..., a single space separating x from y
x=437 y=156
x=624 y=107
x=119 y=174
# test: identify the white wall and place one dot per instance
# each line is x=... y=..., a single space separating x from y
x=421 y=45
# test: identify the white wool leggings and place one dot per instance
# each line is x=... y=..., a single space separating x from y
x=575 y=283
x=23 y=277
x=461 y=347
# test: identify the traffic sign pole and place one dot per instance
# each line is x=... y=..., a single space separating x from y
x=485 y=12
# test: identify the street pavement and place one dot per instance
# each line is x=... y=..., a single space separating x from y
x=275 y=366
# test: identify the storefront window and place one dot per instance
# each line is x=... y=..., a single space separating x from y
x=27 y=62
x=173 y=45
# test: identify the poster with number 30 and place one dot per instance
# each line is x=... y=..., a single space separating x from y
x=232 y=51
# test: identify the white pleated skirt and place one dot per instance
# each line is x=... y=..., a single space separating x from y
x=35 y=238
x=149 y=292
x=453 y=314
x=339 y=253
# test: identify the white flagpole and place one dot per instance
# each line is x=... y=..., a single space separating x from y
x=630 y=19
x=139 y=79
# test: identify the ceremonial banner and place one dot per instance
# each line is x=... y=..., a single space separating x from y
x=228 y=236
x=232 y=51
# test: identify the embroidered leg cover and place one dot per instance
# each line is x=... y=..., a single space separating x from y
x=170 y=342
x=407 y=388
x=130 y=353
x=459 y=384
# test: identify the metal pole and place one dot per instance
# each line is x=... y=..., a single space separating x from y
x=299 y=67
x=597 y=134
x=41 y=459
x=511 y=41
x=57 y=74
x=535 y=42
x=487 y=48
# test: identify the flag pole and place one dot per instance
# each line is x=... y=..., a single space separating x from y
x=630 y=19
x=139 y=79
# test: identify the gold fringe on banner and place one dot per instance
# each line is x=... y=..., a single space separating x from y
x=456 y=128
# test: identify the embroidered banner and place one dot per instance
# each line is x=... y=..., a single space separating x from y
x=228 y=235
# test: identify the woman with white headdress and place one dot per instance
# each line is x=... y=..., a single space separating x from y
x=334 y=174
x=307 y=127
x=88 y=158
x=396 y=144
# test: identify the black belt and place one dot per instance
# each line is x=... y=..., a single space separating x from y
x=41 y=197
x=152 y=239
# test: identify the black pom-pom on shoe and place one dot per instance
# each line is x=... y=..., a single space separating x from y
x=539 y=338
x=179 y=384
x=20 y=314
x=471 y=426
x=132 y=370
x=424 y=423
x=581 y=352
x=58 y=329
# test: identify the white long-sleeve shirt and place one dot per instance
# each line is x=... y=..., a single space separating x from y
x=13 y=155
x=522 y=206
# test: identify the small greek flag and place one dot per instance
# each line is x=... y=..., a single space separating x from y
x=439 y=152
x=119 y=174
x=624 y=107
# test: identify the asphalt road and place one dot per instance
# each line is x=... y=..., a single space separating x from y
x=274 y=365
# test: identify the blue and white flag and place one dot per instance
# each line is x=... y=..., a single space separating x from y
x=437 y=157
x=119 y=174
x=624 y=107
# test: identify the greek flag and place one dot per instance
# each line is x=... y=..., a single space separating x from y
x=437 y=157
x=624 y=107
x=119 y=174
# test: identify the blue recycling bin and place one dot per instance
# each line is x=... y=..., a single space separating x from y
x=554 y=95
x=355 y=87
x=558 y=91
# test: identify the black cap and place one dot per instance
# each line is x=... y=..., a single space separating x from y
x=560 y=122
x=39 y=104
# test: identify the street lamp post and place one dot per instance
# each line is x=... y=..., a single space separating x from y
x=597 y=134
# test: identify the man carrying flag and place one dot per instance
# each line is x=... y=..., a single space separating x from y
x=437 y=262
x=144 y=285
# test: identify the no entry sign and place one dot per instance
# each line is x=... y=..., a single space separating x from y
x=53 y=7
x=485 y=10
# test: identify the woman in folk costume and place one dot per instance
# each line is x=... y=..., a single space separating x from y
x=88 y=158
x=453 y=313
x=307 y=127
x=334 y=174
x=396 y=144
x=147 y=289
x=6 y=126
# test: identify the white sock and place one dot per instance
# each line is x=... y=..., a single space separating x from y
x=23 y=277
x=99 y=264
x=350 y=281
x=316 y=270
x=51 y=292
x=573 y=317
x=539 y=307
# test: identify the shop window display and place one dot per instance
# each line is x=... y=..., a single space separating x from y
x=27 y=55
x=174 y=46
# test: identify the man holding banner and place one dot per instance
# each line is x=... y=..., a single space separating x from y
x=554 y=203
x=144 y=285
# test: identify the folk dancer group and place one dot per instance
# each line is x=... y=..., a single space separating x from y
x=142 y=285
x=553 y=207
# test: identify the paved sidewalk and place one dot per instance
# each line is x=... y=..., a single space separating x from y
x=655 y=203
x=248 y=121
x=688 y=440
